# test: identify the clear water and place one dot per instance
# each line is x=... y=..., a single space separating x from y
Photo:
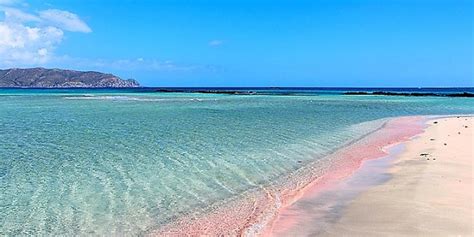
x=107 y=162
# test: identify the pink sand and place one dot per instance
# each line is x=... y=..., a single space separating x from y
x=349 y=160
x=257 y=212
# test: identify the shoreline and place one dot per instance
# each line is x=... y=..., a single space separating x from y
x=350 y=159
x=400 y=201
x=430 y=192
x=328 y=204
x=254 y=212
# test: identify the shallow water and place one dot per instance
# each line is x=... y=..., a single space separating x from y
x=125 y=162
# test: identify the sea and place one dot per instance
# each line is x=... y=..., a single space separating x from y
x=127 y=161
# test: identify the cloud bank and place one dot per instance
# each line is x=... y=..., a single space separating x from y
x=30 y=39
x=138 y=64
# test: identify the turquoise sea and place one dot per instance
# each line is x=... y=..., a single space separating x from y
x=110 y=162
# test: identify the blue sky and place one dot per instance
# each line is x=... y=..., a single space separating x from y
x=247 y=43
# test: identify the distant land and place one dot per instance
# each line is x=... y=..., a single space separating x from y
x=59 y=78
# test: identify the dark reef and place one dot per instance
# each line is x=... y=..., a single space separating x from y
x=384 y=93
x=226 y=92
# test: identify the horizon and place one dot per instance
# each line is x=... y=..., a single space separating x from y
x=362 y=44
x=223 y=87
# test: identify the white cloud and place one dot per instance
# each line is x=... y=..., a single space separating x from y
x=24 y=45
x=30 y=39
x=64 y=20
x=215 y=43
x=16 y=15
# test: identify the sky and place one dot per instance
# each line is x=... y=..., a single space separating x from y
x=317 y=43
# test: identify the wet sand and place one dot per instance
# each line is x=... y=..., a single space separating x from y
x=423 y=189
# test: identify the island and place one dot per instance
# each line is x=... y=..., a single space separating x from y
x=60 y=78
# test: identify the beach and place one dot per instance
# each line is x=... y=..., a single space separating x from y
x=236 y=118
x=422 y=188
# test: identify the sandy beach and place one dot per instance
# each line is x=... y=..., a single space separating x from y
x=424 y=190
x=430 y=192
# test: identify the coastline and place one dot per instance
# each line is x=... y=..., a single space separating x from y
x=421 y=187
x=254 y=213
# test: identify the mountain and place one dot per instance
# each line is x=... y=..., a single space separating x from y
x=59 y=78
